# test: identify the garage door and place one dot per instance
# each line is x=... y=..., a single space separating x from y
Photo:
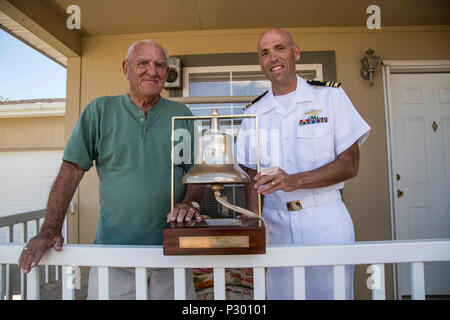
x=25 y=181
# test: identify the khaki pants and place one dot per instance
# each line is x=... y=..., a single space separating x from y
x=122 y=284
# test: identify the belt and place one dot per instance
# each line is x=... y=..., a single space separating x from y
x=305 y=203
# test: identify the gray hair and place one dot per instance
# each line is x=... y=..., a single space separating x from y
x=135 y=44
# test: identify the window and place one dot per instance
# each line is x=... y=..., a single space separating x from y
x=232 y=81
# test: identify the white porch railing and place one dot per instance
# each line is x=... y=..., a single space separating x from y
x=23 y=220
x=375 y=253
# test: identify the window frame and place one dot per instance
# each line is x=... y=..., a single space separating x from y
x=318 y=67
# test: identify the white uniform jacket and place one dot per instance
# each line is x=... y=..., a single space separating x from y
x=319 y=124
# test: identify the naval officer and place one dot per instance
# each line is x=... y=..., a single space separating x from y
x=310 y=133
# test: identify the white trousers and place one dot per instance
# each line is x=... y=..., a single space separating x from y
x=122 y=284
x=325 y=224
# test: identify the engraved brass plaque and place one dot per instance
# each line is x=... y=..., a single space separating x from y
x=214 y=237
x=214 y=242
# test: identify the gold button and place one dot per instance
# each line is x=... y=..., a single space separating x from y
x=142 y=119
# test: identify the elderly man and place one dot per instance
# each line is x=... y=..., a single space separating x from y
x=310 y=137
x=129 y=138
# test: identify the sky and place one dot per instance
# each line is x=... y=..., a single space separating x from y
x=26 y=73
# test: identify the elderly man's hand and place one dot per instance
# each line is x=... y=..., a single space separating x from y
x=38 y=246
x=183 y=212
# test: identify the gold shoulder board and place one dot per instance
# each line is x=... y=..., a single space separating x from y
x=256 y=100
x=333 y=84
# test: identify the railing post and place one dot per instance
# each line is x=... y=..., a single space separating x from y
x=417 y=281
x=299 y=283
x=103 y=283
x=23 y=285
x=179 y=283
x=8 y=278
x=2 y=281
x=37 y=226
x=8 y=282
x=339 y=282
x=25 y=231
x=259 y=283
x=219 y=284
x=46 y=277
x=377 y=282
x=33 y=284
x=141 y=284
x=68 y=283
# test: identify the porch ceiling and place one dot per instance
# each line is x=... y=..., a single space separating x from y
x=42 y=23
x=101 y=17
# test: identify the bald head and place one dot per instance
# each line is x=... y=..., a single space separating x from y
x=283 y=33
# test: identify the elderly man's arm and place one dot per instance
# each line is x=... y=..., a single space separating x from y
x=49 y=236
x=344 y=167
x=184 y=211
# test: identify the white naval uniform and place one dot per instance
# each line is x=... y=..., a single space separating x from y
x=283 y=142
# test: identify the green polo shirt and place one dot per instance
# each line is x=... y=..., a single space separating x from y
x=133 y=160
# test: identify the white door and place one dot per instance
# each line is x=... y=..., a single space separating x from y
x=421 y=150
x=25 y=181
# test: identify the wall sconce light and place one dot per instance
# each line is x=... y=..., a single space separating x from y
x=368 y=66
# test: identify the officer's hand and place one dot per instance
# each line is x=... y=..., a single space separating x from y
x=38 y=246
x=280 y=180
x=183 y=212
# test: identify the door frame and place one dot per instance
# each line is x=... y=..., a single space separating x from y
x=388 y=68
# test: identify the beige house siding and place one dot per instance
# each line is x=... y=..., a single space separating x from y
x=25 y=134
x=367 y=196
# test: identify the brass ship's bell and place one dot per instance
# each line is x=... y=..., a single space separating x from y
x=214 y=161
